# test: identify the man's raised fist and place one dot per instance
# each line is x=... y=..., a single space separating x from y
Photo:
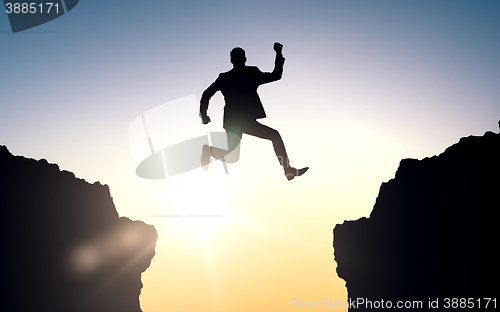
x=278 y=47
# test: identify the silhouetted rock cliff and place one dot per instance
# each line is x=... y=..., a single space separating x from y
x=432 y=232
x=63 y=246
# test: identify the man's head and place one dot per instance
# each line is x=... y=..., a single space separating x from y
x=238 y=57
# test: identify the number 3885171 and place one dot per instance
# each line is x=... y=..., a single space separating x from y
x=31 y=8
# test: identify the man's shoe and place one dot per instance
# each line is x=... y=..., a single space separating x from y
x=205 y=157
x=291 y=172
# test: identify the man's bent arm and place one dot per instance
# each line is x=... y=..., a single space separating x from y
x=277 y=72
x=205 y=98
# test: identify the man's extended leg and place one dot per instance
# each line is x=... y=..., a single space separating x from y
x=262 y=131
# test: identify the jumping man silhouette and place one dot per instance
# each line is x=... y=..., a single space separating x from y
x=243 y=108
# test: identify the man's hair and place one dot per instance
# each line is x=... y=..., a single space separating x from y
x=238 y=56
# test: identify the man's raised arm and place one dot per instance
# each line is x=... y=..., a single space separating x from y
x=278 y=65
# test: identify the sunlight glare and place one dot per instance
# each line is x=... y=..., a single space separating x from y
x=200 y=200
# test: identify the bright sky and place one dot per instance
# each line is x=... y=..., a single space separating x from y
x=365 y=84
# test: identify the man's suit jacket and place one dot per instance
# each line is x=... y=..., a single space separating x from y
x=239 y=88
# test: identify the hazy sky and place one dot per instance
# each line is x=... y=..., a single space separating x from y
x=365 y=84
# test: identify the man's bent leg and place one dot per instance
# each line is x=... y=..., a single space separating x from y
x=233 y=153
